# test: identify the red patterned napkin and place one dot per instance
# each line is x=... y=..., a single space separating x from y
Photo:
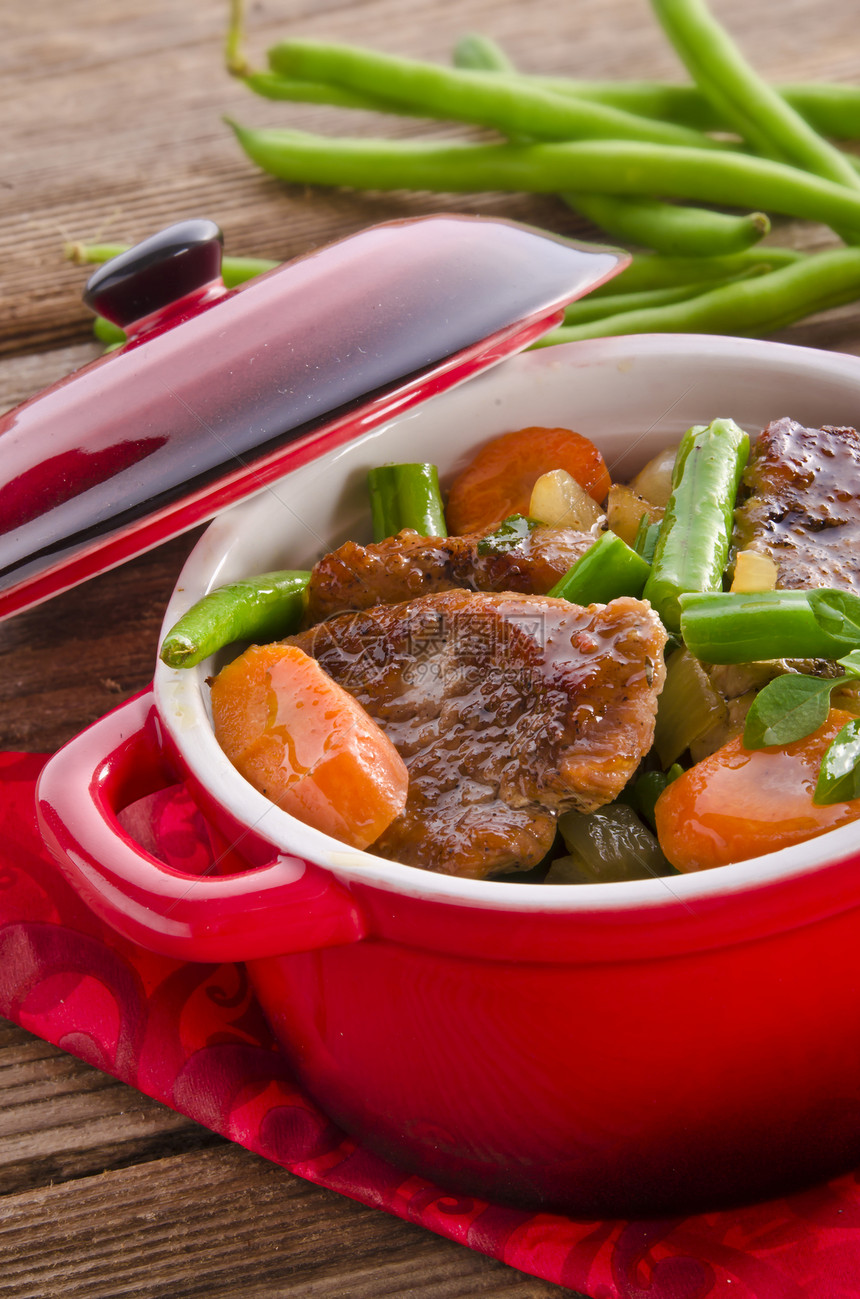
x=192 y=1037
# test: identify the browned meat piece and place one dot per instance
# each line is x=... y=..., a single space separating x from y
x=408 y=565
x=800 y=504
x=507 y=710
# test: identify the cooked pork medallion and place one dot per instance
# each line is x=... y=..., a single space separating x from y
x=799 y=504
x=507 y=710
x=409 y=565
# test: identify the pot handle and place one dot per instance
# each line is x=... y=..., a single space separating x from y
x=286 y=905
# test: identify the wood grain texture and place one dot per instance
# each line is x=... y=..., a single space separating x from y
x=113 y=127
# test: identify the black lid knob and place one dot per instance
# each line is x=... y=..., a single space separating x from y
x=158 y=271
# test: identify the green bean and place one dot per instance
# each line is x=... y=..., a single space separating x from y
x=665 y=227
x=607 y=570
x=597 y=166
x=729 y=627
x=259 y=609
x=750 y=307
x=406 y=496
x=585 y=310
x=695 y=534
x=752 y=107
x=668 y=228
x=653 y=271
x=107 y=332
x=829 y=108
x=467 y=96
x=234 y=270
x=268 y=85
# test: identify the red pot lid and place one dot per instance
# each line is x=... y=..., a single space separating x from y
x=217 y=393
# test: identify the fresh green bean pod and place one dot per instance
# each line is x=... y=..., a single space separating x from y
x=585 y=310
x=465 y=96
x=695 y=535
x=749 y=307
x=747 y=102
x=608 y=569
x=647 y=271
x=646 y=222
x=831 y=109
x=107 y=332
x=594 y=166
x=260 y=609
x=728 y=627
x=670 y=228
x=269 y=85
x=406 y=496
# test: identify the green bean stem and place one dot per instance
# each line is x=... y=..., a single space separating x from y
x=693 y=544
x=259 y=609
x=727 y=627
x=465 y=96
x=597 y=166
x=749 y=307
x=751 y=106
x=607 y=570
x=406 y=496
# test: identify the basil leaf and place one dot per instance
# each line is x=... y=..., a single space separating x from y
x=839 y=777
x=787 y=709
x=838 y=612
x=851 y=664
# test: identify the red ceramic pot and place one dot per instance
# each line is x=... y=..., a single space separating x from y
x=648 y=1047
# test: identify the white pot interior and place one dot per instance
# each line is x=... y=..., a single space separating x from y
x=631 y=396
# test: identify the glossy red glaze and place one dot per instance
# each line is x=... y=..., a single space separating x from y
x=287 y=904
x=636 y=1061
x=221 y=392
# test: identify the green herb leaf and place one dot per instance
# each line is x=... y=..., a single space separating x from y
x=787 y=709
x=838 y=612
x=510 y=533
x=851 y=664
x=839 y=777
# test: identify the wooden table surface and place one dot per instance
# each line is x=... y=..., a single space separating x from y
x=112 y=128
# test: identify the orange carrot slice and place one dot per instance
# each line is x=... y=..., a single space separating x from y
x=499 y=480
x=304 y=742
x=738 y=803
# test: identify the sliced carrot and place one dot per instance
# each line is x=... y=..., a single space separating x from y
x=306 y=744
x=499 y=480
x=738 y=803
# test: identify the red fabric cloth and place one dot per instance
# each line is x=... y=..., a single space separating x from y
x=193 y=1037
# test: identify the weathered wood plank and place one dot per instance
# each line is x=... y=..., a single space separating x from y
x=131 y=1218
x=60 y=1119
